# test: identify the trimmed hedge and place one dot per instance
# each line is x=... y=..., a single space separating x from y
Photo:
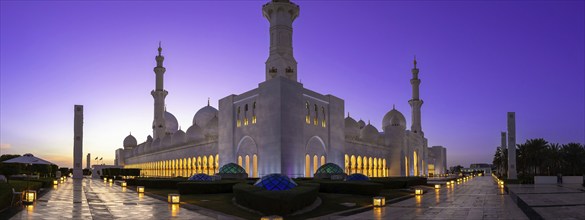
x=276 y=202
x=154 y=183
x=195 y=187
x=351 y=187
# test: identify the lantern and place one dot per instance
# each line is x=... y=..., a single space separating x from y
x=55 y=182
x=437 y=186
x=272 y=217
x=123 y=184
x=174 y=198
x=452 y=182
x=418 y=191
x=379 y=201
x=111 y=180
x=29 y=196
x=140 y=189
x=105 y=179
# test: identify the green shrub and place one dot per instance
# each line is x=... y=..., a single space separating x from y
x=8 y=169
x=350 y=187
x=276 y=202
x=193 y=187
x=390 y=184
x=156 y=183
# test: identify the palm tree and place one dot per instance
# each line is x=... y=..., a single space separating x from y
x=573 y=155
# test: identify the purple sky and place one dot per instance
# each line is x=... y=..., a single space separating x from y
x=477 y=61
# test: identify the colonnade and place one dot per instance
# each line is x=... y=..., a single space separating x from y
x=179 y=167
x=369 y=166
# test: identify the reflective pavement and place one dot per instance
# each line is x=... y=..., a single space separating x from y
x=551 y=201
x=94 y=199
x=478 y=198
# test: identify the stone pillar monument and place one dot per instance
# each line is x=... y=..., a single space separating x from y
x=503 y=147
x=78 y=142
x=88 y=160
x=512 y=145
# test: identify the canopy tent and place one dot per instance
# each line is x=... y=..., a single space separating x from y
x=27 y=159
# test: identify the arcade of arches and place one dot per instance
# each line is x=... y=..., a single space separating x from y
x=369 y=166
x=179 y=167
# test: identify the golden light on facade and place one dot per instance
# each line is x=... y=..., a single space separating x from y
x=379 y=201
x=174 y=198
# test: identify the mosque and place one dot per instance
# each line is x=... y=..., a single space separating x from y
x=282 y=127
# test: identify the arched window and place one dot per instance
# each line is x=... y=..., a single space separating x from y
x=238 y=121
x=316 y=118
x=308 y=117
x=307 y=166
x=323 y=123
x=254 y=113
x=246 y=115
x=255 y=166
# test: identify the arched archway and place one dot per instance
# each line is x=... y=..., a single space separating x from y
x=247 y=148
x=316 y=149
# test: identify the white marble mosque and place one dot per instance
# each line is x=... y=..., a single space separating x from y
x=282 y=127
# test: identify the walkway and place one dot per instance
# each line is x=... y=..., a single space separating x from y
x=550 y=201
x=478 y=198
x=94 y=199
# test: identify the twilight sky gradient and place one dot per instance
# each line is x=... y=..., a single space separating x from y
x=477 y=61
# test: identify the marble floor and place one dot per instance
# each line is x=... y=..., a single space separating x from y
x=551 y=201
x=478 y=198
x=94 y=199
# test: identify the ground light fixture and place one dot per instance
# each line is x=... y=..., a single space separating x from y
x=379 y=201
x=140 y=189
x=437 y=186
x=418 y=192
x=111 y=180
x=105 y=179
x=174 y=198
x=272 y=217
x=29 y=197
x=123 y=184
x=55 y=182
x=452 y=182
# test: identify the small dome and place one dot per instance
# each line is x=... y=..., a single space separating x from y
x=369 y=133
x=211 y=128
x=231 y=168
x=147 y=147
x=179 y=137
x=352 y=128
x=362 y=123
x=356 y=177
x=200 y=177
x=329 y=168
x=167 y=140
x=156 y=143
x=171 y=123
x=130 y=141
x=393 y=118
x=204 y=115
x=194 y=133
x=275 y=182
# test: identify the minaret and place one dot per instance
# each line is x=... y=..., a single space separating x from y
x=503 y=146
x=281 y=14
x=512 y=146
x=415 y=102
x=159 y=94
